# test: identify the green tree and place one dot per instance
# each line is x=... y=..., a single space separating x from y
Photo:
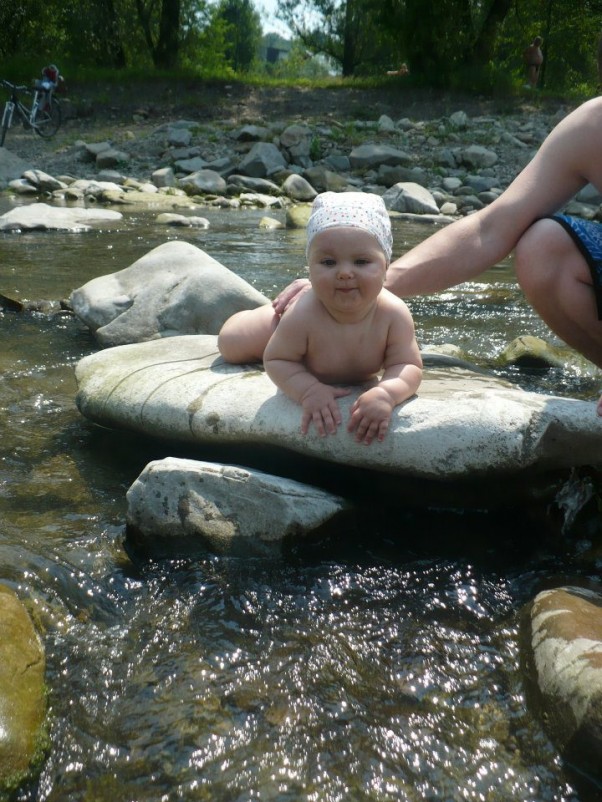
x=570 y=30
x=111 y=33
x=160 y=24
x=242 y=28
x=436 y=37
x=92 y=32
x=350 y=32
x=440 y=38
x=202 y=37
x=29 y=26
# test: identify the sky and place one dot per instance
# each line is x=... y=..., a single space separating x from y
x=267 y=10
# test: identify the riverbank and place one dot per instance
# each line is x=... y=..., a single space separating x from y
x=128 y=116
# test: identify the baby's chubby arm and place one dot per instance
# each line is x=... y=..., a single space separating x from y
x=402 y=374
x=283 y=362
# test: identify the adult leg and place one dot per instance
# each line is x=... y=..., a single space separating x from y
x=531 y=75
x=557 y=281
x=244 y=336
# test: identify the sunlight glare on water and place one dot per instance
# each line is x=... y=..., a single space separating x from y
x=328 y=682
x=384 y=669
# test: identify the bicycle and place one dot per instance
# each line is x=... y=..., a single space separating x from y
x=44 y=116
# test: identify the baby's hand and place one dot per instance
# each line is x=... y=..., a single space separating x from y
x=370 y=415
x=320 y=407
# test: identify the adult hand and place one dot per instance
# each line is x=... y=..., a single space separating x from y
x=290 y=295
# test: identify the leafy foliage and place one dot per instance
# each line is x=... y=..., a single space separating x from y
x=469 y=44
x=242 y=32
x=452 y=42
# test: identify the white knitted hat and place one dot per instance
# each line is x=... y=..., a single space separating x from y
x=355 y=209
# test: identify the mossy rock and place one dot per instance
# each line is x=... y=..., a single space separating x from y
x=297 y=216
x=533 y=352
x=22 y=693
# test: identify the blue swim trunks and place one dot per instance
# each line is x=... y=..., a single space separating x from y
x=587 y=236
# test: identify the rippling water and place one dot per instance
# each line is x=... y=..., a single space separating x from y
x=382 y=668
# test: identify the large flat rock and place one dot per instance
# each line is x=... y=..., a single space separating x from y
x=42 y=217
x=462 y=424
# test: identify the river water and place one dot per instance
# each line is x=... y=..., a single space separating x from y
x=385 y=668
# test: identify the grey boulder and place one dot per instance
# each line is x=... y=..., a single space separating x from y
x=174 y=289
x=181 y=504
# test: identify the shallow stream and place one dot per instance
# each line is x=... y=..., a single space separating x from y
x=385 y=668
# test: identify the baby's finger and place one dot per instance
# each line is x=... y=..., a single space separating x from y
x=355 y=419
x=335 y=414
x=331 y=417
x=370 y=433
x=382 y=430
x=305 y=421
x=318 y=422
x=360 y=426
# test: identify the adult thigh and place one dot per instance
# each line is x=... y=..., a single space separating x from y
x=557 y=282
x=546 y=260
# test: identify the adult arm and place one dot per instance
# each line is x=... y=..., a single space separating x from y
x=565 y=162
x=292 y=292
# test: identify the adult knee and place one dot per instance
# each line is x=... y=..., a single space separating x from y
x=537 y=256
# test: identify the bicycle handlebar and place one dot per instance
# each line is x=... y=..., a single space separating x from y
x=16 y=87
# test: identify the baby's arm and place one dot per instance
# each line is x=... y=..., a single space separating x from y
x=402 y=374
x=283 y=361
x=244 y=336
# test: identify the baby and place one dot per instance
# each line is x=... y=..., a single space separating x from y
x=343 y=330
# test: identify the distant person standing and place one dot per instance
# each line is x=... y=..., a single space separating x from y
x=533 y=58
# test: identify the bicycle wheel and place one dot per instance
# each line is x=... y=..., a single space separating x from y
x=47 y=119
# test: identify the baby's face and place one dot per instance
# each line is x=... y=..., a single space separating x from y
x=347 y=267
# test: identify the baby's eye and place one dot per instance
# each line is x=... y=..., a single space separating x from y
x=362 y=262
x=328 y=262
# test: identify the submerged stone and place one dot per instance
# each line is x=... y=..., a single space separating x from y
x=533 y=352
x=181 y=504
x=562 y=652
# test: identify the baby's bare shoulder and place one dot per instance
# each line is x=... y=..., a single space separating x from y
x=305 y=305
x=392 y=304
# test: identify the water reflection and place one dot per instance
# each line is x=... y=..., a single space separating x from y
x=382 y=668
x=344 y=680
